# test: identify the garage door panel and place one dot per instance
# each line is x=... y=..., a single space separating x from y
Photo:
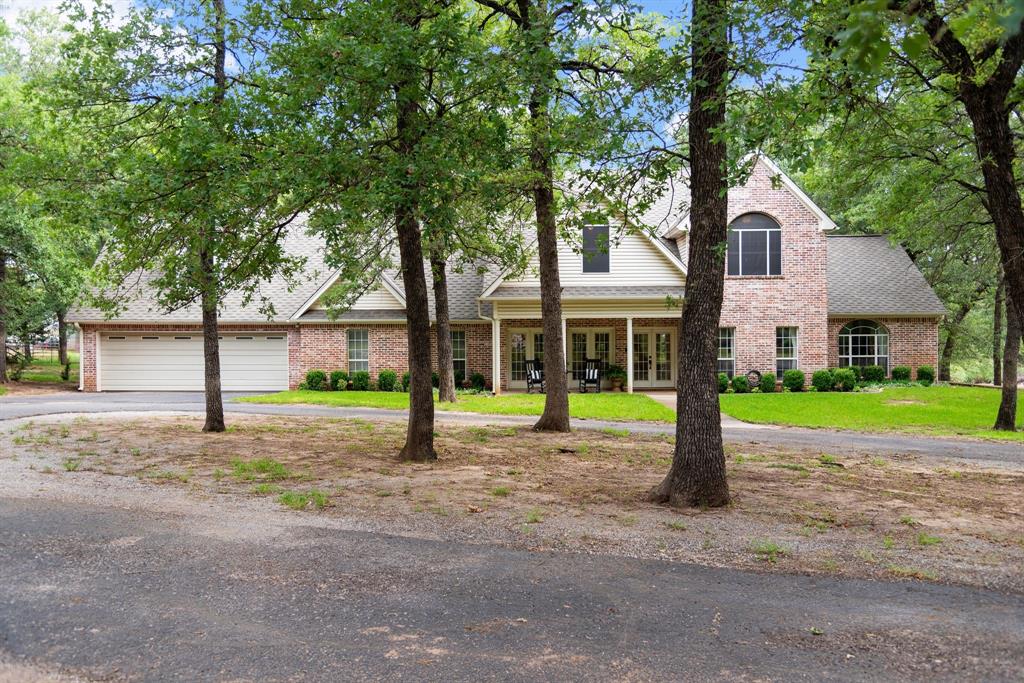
x=175 y=362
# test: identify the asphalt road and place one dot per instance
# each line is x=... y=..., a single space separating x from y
x=829 y=441
x=111 y=593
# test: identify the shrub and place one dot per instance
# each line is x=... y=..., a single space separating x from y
x=460 y=379
x=406 y=379
x=361 y=381
x=435 y=379
x=926 y=374
x=339 y=380
x=793 y=380
x=386 y=380
x=316 y=380
x=768 y=383
x=901 y=373
x=478 y=381
x=723 y=382
x=844 y=379
x=65 y=373
x=740 y=384
x=873 y=373
x=823 y=380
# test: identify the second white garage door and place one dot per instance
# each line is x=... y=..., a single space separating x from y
x=174 y=362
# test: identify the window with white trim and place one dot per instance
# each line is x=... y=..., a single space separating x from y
x=596 y=249
x=459 y=352
x=864 y=342
x=727 y=350
x=358 y=351
x=785 y=350
x=755 y=246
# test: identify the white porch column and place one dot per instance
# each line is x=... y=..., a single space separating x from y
x=496 y=355
x=629 y=355
x=565 y=345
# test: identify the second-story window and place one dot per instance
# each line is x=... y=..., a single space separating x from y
x=596 y=249
x=755 y=246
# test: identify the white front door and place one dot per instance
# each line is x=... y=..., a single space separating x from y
x=654 y=358
x=524 y=345
x=590 y=344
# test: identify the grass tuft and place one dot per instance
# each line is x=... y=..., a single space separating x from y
x=766 y=551
x=298 y=500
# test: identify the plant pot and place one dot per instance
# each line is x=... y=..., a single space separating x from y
x=616 y=384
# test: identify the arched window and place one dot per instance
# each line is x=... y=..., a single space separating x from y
x=755 y=246
x=864 y=342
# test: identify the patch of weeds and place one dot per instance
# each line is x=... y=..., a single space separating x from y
x=583 y=448
x=878 y=462
x=627 y=520
x=926 y=540
x=888 y=543
x=219 y=474
x=501 y=491
x=72 y=464
x=440 y=511
x=788 y=466
x=815 y=631
x=171 y=475
x=534 y=516
x=676 y=525
x=612 y=431
x=136 y=452
x=298 y=500
x=908 y=520
x=513 y=472
x=20 y=441
x=867 y=556
x=64 y=432
x=830 y=565
x=911 y=572
x=766 y=551
x=827 y=460
x=260 y=468
x=265 y=489
x=384 y=494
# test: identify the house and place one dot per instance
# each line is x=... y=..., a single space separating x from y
x=795 y=297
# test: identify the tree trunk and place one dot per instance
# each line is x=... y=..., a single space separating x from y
x=419 y=441
x=990 y=117
x=62 y=338
x=946 y=357
x=3 y=320
x=1006 y=419
x=211 y=350
x=445 y=364
x=697 y=476
x=26 y=345
x=997 y=336
x=556 y=403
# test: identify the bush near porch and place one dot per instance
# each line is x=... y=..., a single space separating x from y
x=611 y=406
x=938 y=410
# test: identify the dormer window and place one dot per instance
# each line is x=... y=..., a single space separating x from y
x=755 y=246
x=596 y=248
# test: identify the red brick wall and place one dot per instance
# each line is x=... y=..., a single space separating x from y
x=912 y=341
x=755 y=306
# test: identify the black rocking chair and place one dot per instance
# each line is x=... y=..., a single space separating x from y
x=534 y=376
x=591 y=375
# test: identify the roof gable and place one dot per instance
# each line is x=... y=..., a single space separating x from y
x=870 y=276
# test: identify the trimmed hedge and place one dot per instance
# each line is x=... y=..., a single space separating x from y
x=768 y=383
x=339 y=380
x=723 y=382
x=406 y=379
x=361 y=381
x=823 y=380
x=926 y=374
x=316 y=380
x=873 y=373
x=793 y=380
x=387 y=380
x=740 y=384
x=844 y=379
x=478 y=381
x=901 y=373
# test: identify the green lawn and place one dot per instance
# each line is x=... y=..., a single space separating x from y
x=47 y=370
x=934 y=410
x=607 y=406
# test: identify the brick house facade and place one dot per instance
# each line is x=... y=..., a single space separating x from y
x=626 y=311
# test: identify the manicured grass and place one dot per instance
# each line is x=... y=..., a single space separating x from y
x=937 y=410
x=606 y=406
x=47 y=370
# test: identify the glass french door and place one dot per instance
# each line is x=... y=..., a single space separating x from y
x=653 y=355
x=524 y=345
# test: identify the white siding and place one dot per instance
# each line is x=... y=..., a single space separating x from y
x=634 y=262
x=374 y=300
x=591 y=309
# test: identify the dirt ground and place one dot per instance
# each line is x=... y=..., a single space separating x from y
x=897 y=517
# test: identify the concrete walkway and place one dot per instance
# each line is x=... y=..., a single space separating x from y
x=827 y=441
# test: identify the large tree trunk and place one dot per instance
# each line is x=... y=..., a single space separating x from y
x=697 y=476
x=211 y=350
x=3 y=320
x=419 y=441
x=62 y=338
x=1006 y=419
x=445 y=364
x=946 y=357
x=997 y=336
x=556 y=403
x=26 y=344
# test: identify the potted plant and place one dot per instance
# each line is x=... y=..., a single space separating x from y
x=616 y=375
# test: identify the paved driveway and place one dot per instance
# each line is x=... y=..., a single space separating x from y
x=828 y=441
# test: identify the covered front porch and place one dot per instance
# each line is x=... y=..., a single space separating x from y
x=646 y=348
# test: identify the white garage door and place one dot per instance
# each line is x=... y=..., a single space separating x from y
x=174 y=362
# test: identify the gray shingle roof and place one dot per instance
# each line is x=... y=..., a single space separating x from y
x=868 y=275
